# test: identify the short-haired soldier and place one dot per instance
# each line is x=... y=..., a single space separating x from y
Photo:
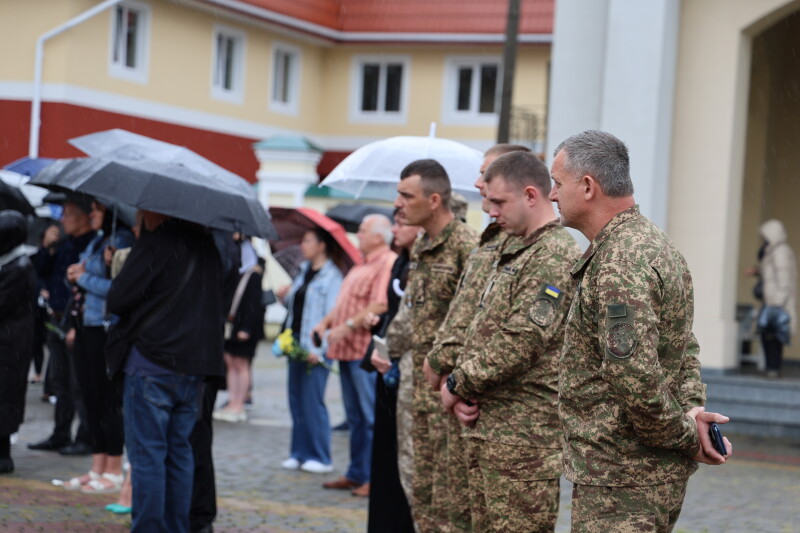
x=509 y=364
x=630 y=396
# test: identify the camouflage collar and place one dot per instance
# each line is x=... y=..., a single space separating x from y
x=489 y=233
x=515 y=245
x=602 y=236
x=426 y=243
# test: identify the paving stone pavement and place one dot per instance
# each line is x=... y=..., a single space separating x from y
x=759 y=491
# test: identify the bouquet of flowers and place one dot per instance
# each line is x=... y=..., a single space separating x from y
x=286 y=345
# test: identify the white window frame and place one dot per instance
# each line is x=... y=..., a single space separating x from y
x=236 y=93
x=471 y=117
x=118 y=69
x=357 y=88
x=291 y=106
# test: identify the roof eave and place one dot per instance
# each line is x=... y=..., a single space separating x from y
x=373 y=37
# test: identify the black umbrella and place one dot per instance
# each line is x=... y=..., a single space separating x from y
x=12 y=198
x=220 y=201
x=351 y=215
x=123 y=212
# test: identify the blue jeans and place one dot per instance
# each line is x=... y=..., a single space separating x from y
x=311 y=430
x=160 y=412
x=358 y=393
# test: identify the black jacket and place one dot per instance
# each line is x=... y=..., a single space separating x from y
x=17 y=281
x=186 y=336
x=51 y=267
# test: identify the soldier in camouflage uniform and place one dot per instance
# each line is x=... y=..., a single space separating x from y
x=509 y=365
x=437 y=260
x=450 y=338
x=630 y=395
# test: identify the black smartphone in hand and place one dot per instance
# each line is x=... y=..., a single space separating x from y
x=716 y=438
x=315 y=338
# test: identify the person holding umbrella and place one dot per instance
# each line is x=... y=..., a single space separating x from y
x=310 y=297
x=176 y=340
x=101 y=396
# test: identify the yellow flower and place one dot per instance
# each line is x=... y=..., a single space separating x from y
x=286 y=341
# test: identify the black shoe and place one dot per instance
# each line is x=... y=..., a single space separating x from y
x=76 y=448
x=48 y=445
x=6 y=465
x=208 y=528
x=344 y=426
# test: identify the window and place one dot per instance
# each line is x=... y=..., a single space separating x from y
x=228 y=65
x=285 y=79
x=381 y=88
x=129 y=39
x=472 y=90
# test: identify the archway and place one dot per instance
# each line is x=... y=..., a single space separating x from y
x=771 y=181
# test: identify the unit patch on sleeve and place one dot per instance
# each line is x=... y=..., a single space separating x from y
x=543 y=310
x=621 y=338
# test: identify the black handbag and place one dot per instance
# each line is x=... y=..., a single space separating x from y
x=758 y=290
x=268 y=298
x=120 y=340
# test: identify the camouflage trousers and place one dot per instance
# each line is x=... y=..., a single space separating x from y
x=405 y=417
x=429 y=482
x=457 y=500
x=653 y=508
x=505 y=492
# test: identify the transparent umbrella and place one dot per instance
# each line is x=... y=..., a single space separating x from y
x=373 y=170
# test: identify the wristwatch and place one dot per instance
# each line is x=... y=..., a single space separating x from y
x=350 y=324
x=451 y=384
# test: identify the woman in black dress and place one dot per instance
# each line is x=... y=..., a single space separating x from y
x=243 y=329
x=388 y=507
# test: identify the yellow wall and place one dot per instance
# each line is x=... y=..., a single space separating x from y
x=180 y=67
x=22 y=23
x=180 y=64
x=426 y=88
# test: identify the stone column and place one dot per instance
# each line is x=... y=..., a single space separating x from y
x=614 y=70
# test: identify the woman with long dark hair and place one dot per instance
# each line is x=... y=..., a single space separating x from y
x=102 y=397
x=308 y=300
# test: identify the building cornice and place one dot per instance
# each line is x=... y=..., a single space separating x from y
x=330 y=34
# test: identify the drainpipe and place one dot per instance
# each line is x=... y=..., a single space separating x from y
x=36 y=101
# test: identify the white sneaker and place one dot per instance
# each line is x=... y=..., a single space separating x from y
x=315 y=467
x=228 y=416
x=290 y=464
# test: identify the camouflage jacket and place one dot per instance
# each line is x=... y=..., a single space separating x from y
x=629 y=367
x=510 y=358
x=450 y=337
x=434 y=271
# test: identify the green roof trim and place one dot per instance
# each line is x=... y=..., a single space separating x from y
x=294 y=143
x=315 y=191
